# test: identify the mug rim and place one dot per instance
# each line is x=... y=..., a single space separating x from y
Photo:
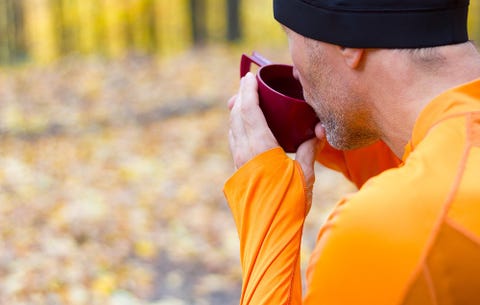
x=291 y=99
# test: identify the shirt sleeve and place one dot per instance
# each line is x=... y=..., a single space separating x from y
x=361 y=164
x=268 y=203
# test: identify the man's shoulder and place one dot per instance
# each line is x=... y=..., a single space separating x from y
x=426 y=175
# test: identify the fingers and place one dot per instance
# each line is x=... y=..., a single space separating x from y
x=231 y=102
x=248 y=90
x=247 y=106
x=249 y=134
x=237 y=135
x=255 y=124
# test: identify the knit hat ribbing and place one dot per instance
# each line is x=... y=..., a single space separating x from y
x=377 y=23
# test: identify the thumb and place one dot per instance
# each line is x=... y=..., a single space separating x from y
x=307 y=151
x=306 y=157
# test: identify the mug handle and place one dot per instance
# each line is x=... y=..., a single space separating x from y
x=246 y=62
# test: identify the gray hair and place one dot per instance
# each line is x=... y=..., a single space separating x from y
x=430 y=58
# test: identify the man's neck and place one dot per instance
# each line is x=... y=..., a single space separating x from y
x=404 y=88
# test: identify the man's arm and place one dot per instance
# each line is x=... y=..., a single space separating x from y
x=269 y=197
x=269 y=205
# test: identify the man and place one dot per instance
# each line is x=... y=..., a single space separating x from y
x=396 y=85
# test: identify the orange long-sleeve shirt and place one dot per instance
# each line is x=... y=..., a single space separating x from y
x=410 y=235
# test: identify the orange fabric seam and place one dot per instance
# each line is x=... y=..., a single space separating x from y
x=273 y=260
x=302 y=174
x=292 y=276
x=431 y=286
x=443 y=215
x=472 y=132
x=444 y=119
x=470 y=120
x=458 y=227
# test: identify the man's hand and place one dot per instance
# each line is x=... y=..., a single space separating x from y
x=249 y=133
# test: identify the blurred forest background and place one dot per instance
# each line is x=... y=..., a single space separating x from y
x=114 y=150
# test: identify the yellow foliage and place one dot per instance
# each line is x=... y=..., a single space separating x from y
x=139 y=15
x=40 y=30
x=474 y=20
x=173 y=26
x=145 y=249
x=258 y=23
x=114 y=14
x=114 y=27
x=88 y=23
x=105 y=284
x=215 y=16
x=100 y=202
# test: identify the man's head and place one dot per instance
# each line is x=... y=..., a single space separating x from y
x=330 y=85
x=335 y=43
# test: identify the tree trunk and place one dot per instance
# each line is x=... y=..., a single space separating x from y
x=233 y=20
x=198 y=19
x=3 y=33
x=19 y=44
x=151 y=26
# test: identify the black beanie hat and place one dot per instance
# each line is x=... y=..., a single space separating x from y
x=377 y=23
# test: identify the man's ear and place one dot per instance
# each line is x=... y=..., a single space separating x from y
x=352 y=56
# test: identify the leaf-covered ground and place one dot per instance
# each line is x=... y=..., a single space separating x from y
x=111 y=177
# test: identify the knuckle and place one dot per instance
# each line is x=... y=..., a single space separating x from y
x=239 y=160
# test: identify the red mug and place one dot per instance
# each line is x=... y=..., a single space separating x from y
x=291 y=120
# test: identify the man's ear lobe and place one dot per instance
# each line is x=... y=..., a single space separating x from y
x=352 y=56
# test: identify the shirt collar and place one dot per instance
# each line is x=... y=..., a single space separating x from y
x=449 y=103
